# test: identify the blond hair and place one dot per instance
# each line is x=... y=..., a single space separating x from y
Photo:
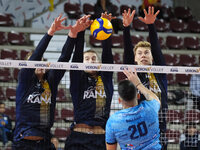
x=141 y=44
x=90 y=51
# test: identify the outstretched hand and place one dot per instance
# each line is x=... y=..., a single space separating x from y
x=132 y=76
x=150 y=17
x=57 y=25
x=107 y=16
x=128 y=17
x=80 y=25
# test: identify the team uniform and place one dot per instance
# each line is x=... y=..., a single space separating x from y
x=91 y=99
x=36 y=101
x=135 y=128
x=157 y=83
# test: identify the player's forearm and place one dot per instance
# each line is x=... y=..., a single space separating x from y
x=111 y=146
x=128 y=47
x=149 y=95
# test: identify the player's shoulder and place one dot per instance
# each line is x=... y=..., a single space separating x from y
x=152 y=103
x=117 y=115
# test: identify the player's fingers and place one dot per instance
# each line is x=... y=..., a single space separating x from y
x=149 y=11
x=135 y=71
x=125 y=12
x=88 y=16
x=59 y=16
x=133 y=13
x=152 y=10
x=145 y=12
x=63 y=19
x=68 y=27
x=114 y=17
x=157 y=13
x=129 y=11
x=126 y=73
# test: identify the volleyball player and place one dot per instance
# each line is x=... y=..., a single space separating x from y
x=137 y=125
x=91 y=93
x=36 y=94
x=145 y=53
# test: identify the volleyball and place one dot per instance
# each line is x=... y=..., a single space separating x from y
x=101 y=28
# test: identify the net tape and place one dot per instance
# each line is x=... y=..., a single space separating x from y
x=98 y=67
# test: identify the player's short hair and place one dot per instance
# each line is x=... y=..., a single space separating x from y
x=142 y=44
x=127 y=90
x=91 y=51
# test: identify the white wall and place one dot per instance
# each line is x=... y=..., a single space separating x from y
x=25 y=9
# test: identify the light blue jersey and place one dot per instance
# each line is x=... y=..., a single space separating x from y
x=135 y=128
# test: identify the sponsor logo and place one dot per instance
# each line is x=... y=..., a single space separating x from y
x=74 y=66
x=37 y=98
x=93 y=67
x=133 y=119
x=157 y=69
x=56 y=65
x=191 y=70
x=129 y=147
x=23 y=64
x=123 y=67
x=107 y=67
x=143 y=69
x=5 y=63
x=41 y=65
x=174 y=69
x=92 y=93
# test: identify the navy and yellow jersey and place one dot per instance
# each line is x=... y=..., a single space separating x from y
x=35 y=100
x=91 y=96
x=156 y=82
x=135 y=128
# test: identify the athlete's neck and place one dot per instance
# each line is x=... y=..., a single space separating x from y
x=129 y=105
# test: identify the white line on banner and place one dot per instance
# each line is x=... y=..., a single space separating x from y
x=97 y=67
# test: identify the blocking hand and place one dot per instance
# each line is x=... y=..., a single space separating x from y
x=57 y=25
x=128 y=17
x=150 y=17
x=132 y=76
x=107 y=16
x=80 y=25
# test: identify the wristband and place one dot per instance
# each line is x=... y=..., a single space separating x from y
x=138 y=84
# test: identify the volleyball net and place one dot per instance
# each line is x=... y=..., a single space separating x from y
x=183 y=96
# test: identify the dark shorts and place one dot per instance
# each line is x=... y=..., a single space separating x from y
x=84 y=141
x=33 y=145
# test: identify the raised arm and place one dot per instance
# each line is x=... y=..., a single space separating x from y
x=132 y=76
x=26 y=74
x=68 y=49
x=69 y=44
x=82 y=24
x=149 y=19
x=40 y=49
x=107 y=56
x=128 y=46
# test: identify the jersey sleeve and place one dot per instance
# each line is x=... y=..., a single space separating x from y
x=154 y=104
x=110 y=136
